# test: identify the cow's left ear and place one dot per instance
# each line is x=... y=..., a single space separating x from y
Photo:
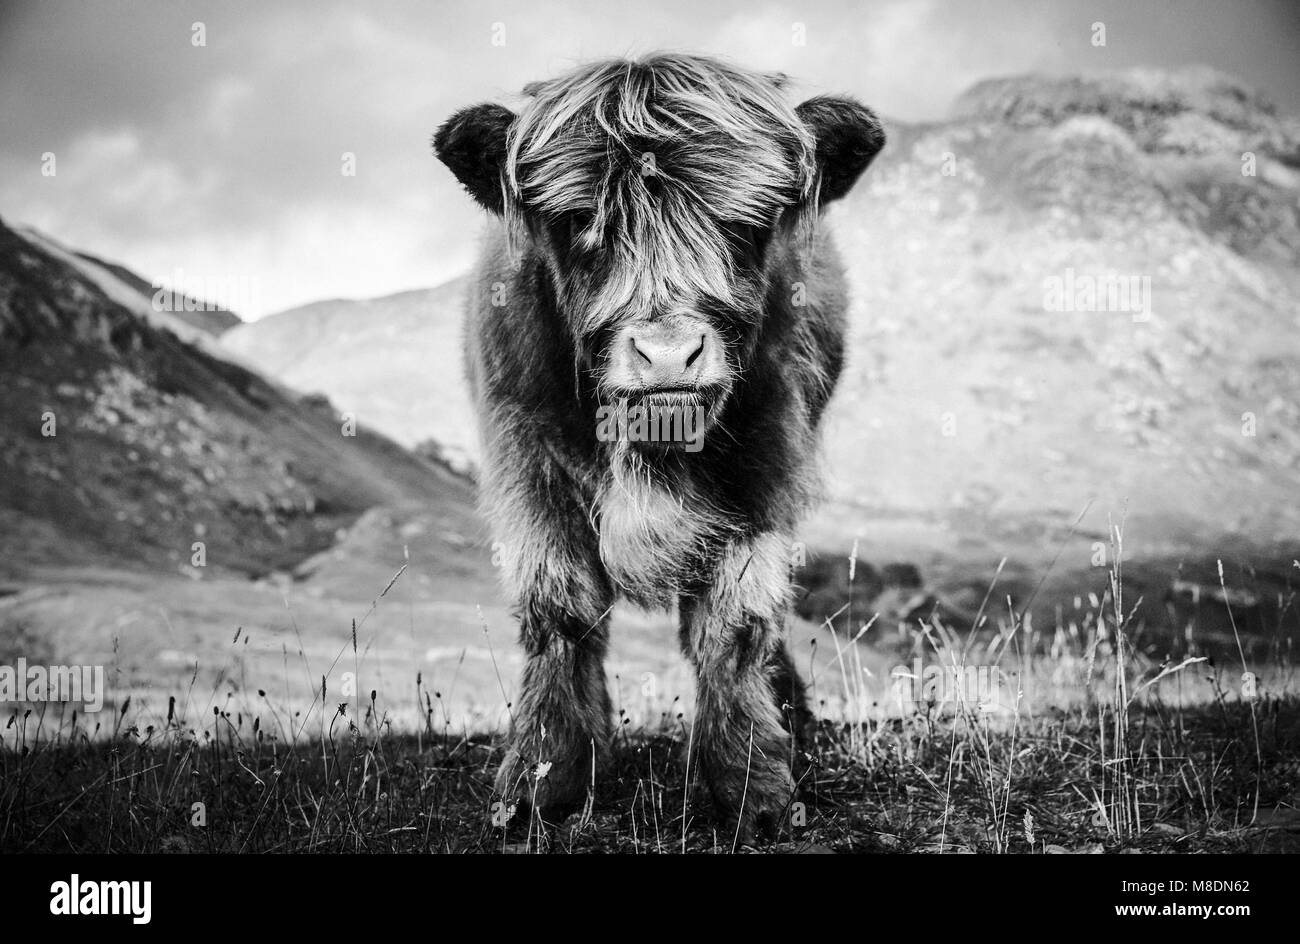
x=472 y=143
x=848 y=137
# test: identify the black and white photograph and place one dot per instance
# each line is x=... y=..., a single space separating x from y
x=578 y=427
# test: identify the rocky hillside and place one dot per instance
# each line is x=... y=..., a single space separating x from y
x=126 y=437
x=193 y=311
x=976 y=394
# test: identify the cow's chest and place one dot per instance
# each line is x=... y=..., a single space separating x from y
x=652 y=539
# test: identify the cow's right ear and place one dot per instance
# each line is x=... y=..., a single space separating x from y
x=472 y=143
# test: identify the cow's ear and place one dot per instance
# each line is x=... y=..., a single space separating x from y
x=848 y=137
x=472 y=143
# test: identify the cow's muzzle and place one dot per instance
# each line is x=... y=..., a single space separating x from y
x=678 y=355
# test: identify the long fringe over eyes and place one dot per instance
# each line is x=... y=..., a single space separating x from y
x=653 y=159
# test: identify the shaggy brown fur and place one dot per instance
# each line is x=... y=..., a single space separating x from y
x=655 y=244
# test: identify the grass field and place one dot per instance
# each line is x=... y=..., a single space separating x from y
x=1086 y=744
x=1185 y=780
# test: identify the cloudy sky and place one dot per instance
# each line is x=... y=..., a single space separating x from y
x=224 y=160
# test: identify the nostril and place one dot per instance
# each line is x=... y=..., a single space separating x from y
x=695 y=355
x=644 y=356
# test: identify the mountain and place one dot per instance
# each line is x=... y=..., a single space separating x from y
x=394 y=361
x=128 y=434
x=984 y=397
x=987 y=402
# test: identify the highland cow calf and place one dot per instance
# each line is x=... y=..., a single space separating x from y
x=656 y=255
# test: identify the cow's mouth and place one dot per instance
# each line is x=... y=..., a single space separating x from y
x=664 y=418
x=671 y=398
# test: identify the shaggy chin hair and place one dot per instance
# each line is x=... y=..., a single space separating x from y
x=650 y=161
x=653 y=534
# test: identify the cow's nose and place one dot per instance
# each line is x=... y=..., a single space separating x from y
x=668 y=358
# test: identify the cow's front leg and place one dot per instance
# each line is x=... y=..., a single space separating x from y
x=750 y=706
x=560 y=722
x=560 y=727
